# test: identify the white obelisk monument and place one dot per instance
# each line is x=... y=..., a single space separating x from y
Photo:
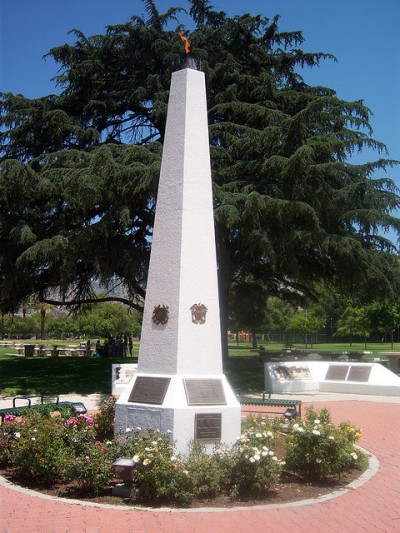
x=180 y=385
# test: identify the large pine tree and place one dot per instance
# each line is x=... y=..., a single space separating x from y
x=79 y=170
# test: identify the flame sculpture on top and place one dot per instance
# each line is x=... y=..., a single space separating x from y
x=186 y=41
x=190 y=61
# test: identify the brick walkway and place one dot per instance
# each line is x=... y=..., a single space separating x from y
x=374 y=507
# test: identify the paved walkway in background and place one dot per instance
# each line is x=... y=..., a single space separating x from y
x=373 y=507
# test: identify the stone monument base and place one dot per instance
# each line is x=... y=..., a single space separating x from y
x=190 y=407
x=324 y=376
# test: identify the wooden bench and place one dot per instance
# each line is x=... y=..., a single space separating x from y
x=19 y=410
x=292 y=407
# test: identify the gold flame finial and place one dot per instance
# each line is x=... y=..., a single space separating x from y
x=187 y=43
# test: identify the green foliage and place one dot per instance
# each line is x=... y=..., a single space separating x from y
x=380 y=316
x=107 y=318
x=355 y=321
x=159 y=475
x=249 y=310
x=306 y=323
x=9 y=437
x=79 y=171
x=78 y=433
x=104 y=419
x=65 y=448
x=62 y=327
x=30 y=325
x=209 y=473
x=316 y=448
x=384 y=317
x=92 y=468
x=254 y=465
x=281 y=314
x=98 y=320
x=249 y=468
x=39 y=450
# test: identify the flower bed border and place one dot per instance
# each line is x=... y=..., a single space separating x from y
x=364 y=477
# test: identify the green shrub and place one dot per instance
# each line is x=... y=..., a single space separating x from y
x=40 y=451
x=104 y=419
x=159 y=474
x=66 y=448
x=92 y=468
x=10 y=432
x=209 y=472
x=316 y=448
x=254 y=466
x=77 y=432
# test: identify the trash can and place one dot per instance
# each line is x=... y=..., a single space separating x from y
x=29 y=350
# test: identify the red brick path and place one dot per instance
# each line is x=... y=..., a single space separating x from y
x=374 y=507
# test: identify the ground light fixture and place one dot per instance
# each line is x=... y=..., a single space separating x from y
x=123 y=469
x=290 y=414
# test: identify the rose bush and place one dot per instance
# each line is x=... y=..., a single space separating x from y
x=104 y=419
x=316 y=448
x=254 y=464
x=67 y=448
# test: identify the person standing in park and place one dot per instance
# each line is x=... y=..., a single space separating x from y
x=124 y=341
x=130 y=345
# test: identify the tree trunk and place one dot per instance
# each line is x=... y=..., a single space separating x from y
x=224 y=270
x=254 y=339
x=42 y=321
x=224 y=329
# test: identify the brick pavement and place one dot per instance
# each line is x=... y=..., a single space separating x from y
x=374 y=507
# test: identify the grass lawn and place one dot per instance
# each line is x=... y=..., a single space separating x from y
x=243 y=349
x=81 y=375
x=62 y=375
x=59 y=375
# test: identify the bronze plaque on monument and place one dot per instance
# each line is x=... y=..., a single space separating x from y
x=207 y=426
x=284 y=371
x=337 y=372
x=204 y=392
x=148 y=389
x=359 y=373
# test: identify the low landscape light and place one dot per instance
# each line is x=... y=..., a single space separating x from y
x=290 y=413
x=123 y=469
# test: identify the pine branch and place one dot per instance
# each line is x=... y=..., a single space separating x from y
x=80 y=302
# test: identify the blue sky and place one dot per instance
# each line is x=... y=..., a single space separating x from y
x=362 y=34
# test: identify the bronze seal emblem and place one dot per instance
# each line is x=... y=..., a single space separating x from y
x=160 y=314
x=199 y=312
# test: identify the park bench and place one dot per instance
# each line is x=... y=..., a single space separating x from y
x=19 y=410
x=292 y=407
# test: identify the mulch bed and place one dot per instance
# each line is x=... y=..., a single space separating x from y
x=290 y=488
